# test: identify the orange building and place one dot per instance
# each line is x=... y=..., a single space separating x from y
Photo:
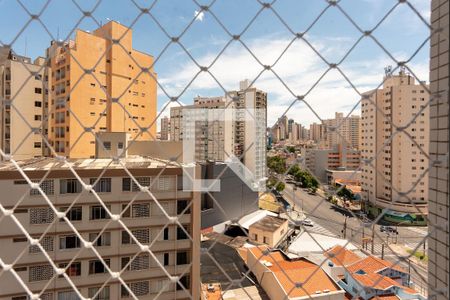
x=99 y=84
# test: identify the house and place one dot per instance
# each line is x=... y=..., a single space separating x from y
x=284 y=278
x=269 y=230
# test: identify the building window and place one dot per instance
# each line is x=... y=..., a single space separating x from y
x=73 y=270
x=37 y=144
x=181 y=234
x=98 y=293
x=98 y=212
x=166 y=234
x=69 y=186
x=107 y=145
x=75 y=213
x=97 y=266
x=46 y=243
x=37 y=104
x=181 y=206
x=129 y=185
x=182 y=258
x=139 y=210
x=40 y=273
x=142 y=235
x=47 y=186
x=41 y=215
x=38 y=90
x=37 y=117
x=183 y=282
x=103 y=185
x=141 y=262
x=68 y=295
x=69 y=242
x=166 y=259
x=103 y=240
x=139 y=288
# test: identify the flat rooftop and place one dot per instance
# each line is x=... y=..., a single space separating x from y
x=54 y=164
x=268 y=223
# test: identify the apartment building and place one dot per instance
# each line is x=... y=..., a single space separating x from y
x=397 y=161
x=439 y=188
x=150 y=245
x=321 y=161
x=209 y=134
x=165 y=129
x=99 y=85
x=23 y=111
x=316 y=132
x=342 y=130
x=249 y=129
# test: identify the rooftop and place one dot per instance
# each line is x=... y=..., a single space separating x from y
x=288 y=272
x=372 y=264
x=341 y=256
x=268 y=223
x=54 y=164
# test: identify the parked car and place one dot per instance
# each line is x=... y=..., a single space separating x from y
x=388 y=229
x=307 y=222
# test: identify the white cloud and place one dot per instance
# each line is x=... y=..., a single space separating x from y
x=299 y=68
x=199 y=15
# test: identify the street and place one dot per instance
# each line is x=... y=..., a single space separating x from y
x=330 y=220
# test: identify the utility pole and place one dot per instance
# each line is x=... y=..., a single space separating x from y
x=373 y=239
x=344 y=230
x=382 y=250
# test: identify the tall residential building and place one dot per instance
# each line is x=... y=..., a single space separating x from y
x=249 y=131
x=217 y=140
x=397 y=161
x=144 y=273
x=438 y=205
x=319 y=161
x=99 y=86
x=165 y=129
x=342 y=130
x=209 y=135
x=23 y=112
x=280 y=130
x=316 y=132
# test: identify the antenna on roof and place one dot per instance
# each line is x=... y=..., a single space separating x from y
x=26 y=41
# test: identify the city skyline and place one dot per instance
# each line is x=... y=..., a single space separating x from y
x=175 y=68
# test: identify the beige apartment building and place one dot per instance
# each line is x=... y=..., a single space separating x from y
x=156 y=243
x=438 y=206
x=397 y=161
x=165 y=129
x=342 y=130
x=321 y=161
x=209 y=135
x=100 y=86
x=316 y=132
x=23 y=112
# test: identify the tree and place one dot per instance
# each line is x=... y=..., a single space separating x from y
x=277 y=164
x=306 y=179
x=271 y=183
x=290 y=149
x=346 y=193
x=293 y=170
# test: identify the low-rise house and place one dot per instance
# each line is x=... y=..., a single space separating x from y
x=284 y=278
x=269 y=230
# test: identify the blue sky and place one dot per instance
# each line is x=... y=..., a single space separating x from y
x=299 y=68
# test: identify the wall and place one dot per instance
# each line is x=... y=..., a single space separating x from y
x=438 y=242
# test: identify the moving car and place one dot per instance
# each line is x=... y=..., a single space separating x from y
x=388 y=229
x=307 y=222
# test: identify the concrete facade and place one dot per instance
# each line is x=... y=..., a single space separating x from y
x=397 y=160
x=342 y=130
x=438 y=205
x=165 y=129
x=138 y=211
x=115 y=95
x=24 y=86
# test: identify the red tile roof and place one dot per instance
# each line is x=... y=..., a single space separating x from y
x=341 y=256
x=288 y=272
x=374 y=280
x=372 y=264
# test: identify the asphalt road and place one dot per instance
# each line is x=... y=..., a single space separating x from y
x=330 y=220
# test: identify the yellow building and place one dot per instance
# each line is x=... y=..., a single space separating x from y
x=100 y=84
